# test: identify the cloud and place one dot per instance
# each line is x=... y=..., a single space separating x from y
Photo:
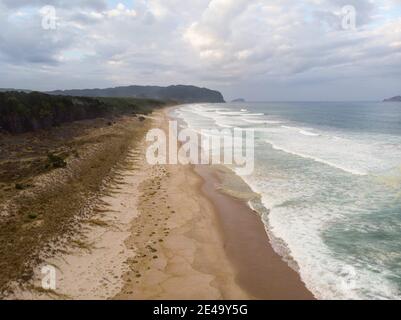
x=226 y=44
x=281 y=41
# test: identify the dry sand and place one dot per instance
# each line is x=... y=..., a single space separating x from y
x=92 y=265
x=181 y=253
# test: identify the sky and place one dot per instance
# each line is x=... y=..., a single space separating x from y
x=260 y=50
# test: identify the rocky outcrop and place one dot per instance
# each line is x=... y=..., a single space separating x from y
x=393 y=99
x=238 y=100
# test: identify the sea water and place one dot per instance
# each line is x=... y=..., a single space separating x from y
x=329 y=176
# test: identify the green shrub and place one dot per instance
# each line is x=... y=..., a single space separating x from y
x=19 y=186
x=32 y=216
x=56 y=161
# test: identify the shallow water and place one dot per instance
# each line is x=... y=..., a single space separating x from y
x=330 y=179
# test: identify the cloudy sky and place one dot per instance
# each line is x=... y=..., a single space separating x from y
x=256 y=49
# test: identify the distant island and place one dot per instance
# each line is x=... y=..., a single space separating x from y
x=393 y=99
x=179 y=93
x=238 y=100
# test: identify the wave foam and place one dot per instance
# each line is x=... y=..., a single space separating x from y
x=307 y=133
x=349 y=170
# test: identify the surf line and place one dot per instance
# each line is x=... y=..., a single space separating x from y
x=234 y=146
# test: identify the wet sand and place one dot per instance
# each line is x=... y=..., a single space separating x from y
x=260 y=271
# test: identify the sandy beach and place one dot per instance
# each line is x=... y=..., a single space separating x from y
x=167 y=232
x=211 y=149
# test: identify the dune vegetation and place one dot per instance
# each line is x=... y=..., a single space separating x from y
x=23 y=112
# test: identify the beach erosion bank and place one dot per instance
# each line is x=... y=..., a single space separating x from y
x=169 y=232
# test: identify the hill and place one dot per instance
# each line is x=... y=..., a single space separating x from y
x=179 y=93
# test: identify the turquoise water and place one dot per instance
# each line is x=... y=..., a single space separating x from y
x=330 y=179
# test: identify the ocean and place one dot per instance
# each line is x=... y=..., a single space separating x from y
x=329 y=177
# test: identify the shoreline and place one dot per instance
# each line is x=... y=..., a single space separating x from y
x=216 y=247
x=169 y=232
x=189 y=259
x=264 y=275
x=260 y=270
